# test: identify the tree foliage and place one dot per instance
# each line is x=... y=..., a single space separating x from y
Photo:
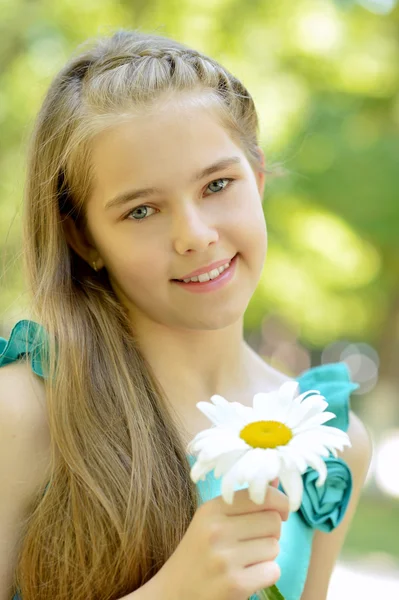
x=325 y=79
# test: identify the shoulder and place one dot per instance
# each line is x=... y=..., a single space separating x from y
x=327 y=546
x=24 y=459
x=358 y=456
x=24 y=431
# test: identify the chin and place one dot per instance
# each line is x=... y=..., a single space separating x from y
x=217 y=319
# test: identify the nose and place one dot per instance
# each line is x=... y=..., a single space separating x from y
x=192 y=231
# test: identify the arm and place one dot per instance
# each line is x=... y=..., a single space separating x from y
x=24 y=444
x=24 y=461
x=327 y=546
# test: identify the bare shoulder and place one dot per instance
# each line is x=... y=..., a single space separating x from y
x=327 y=546
x=359 y=454
x=24 y=432
x=24 y=460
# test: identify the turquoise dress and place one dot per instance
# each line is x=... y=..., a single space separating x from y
x=322 y=508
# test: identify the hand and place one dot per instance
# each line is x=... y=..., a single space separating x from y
x=228 y=551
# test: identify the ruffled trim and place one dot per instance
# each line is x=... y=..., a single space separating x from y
x=26 y=338
x=334 y=383
x=324 y=508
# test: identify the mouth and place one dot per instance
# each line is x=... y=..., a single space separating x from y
x=205 y=277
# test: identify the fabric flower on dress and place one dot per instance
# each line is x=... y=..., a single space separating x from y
x=281 y=435
x=324 y=507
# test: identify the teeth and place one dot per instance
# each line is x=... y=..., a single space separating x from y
x=207 y=276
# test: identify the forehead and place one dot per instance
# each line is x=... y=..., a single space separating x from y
x=171 y=140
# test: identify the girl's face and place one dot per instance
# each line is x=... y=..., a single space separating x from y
x=192 y=213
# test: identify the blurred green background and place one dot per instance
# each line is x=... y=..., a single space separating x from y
x=325 y=78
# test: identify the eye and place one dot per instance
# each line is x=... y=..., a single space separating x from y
x=220 y=184
x=141 y=213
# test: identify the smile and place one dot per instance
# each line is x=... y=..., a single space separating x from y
x=214 y=274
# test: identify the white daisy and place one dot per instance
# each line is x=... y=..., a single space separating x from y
x=281 y=435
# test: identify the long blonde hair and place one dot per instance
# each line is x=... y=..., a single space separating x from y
x=120 y=496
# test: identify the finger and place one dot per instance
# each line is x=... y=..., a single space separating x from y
x=275 y=482
x=259 y=576
x=263 y=524
x=242 y=504
x=252 y=552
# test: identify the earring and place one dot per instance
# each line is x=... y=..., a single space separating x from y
x=94 y=266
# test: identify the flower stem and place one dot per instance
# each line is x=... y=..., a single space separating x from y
x=271 y=593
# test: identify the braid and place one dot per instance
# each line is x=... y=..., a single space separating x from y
x=135 y=50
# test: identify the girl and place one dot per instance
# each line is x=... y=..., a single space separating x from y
x=145 y=240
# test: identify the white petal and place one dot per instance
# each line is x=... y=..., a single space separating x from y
x=293 y=458
x=299 y=399
x=311 y=406
x=266 y=407
x=268 y=470
x=247 y=466
x=265 y=463
x=214 y=413
x=226 y=461
x=330 y=437
x=199 y=470
x=296 y=403
x=218 y=400
x=209 y=437
x=224 y=413
x=320 y=466
x=244 y=413
x=272 y=459
x=288 y=391
x=206 y=434
x=291 y=480
x=214 y=432
x=215 y=446
x=335 y=432
x=257 y=488
x=316 y=461
x=227 y=487
x=303 y=446
x=314 y=421
x=242 y=472
x=287 y=459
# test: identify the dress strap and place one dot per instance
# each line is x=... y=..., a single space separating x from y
x=324 y=507
x=334 y=383
x=26 y=338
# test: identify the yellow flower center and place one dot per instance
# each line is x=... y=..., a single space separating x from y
x=266 y=434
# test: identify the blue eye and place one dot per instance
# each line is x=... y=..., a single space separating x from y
x=142 y=211
x=226 y=183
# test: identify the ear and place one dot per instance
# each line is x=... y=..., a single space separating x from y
x=81 y=242
x=260 y=175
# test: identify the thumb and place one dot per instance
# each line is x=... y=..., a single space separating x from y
x=274 y=483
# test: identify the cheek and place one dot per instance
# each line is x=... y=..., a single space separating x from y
x=143 y=269
x=135 y=265
x=251 y=223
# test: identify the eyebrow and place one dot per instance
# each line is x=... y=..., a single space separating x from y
x=146 y=192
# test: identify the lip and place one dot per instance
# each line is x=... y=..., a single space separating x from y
x=207 y=269
x=213 y=285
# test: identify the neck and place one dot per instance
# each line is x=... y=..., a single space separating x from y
x=192 y=365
